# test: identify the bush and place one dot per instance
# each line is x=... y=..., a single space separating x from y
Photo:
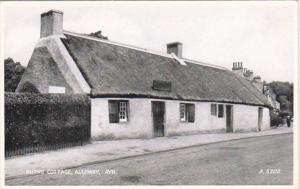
x=45 y=119
x=28 y=87
x=13 y=72
x=276 y=120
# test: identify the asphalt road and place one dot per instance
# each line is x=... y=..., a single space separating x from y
x=261 y=160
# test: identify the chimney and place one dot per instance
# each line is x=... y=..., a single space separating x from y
x=176 y=48
x=251 y=75
x=237 y=67
x=248 y=75
x=51 y=23
x=258 y=83
x=257 y=78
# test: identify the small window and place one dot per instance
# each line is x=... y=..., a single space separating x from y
x=187 y=112
x=118 y=111
x=220 y=110
x=182 y=112
x=213 y=109
x=123 y=112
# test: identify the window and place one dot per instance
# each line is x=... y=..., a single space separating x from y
x=122 y=112
x=182 y=112
x=213 y=109
x=187 y=112
x=220 y=110
x=118 y=111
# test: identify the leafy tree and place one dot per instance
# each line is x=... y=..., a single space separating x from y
x=28 y=87
x=13 y=72
x=284 y=94
x=98 y=34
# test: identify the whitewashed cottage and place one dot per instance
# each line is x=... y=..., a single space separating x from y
x=138 y=93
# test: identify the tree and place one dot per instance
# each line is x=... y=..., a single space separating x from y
x=284 y=94
x=98 y=34
x=28 y=87
x=13 y=72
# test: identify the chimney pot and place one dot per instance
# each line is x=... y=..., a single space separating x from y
x=257 y=78
x=176 y=48
x=51 y=23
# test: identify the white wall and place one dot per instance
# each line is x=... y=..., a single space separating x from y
x=140 y=124
x=265 y=125
x=245 y=118
x=204 y=122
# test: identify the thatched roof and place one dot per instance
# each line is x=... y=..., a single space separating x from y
x=116 y=70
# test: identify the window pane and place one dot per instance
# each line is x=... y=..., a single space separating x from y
x=123 y=111
x=113 y=106
x=213 y=109
x=182 y=112
x=220 y=110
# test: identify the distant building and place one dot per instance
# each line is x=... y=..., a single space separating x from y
x=137 y=92
x=271 y=96
x=258 y=83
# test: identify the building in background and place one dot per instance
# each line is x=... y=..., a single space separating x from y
x=258 y=83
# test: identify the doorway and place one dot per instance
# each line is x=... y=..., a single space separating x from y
x=229 y=119
x=260 y=116
x=158 y=113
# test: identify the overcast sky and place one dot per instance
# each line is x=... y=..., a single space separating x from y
x=263 y=35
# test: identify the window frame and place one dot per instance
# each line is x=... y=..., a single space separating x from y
x=215 y=112
x=123 y=111
x=186 y=113
x=182 y=119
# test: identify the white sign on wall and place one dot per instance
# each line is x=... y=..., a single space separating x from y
x=55 y=89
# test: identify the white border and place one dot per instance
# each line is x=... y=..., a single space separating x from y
x=73 y=4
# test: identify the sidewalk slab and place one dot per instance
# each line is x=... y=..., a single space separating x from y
x=101 y=151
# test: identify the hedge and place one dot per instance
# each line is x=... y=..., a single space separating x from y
x=46 y=120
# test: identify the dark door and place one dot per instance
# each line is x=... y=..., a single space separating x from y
x=260 y=116
x=158 y=112
x=229 y=119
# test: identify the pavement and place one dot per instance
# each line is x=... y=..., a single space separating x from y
x=266 y=160
x=105 y=151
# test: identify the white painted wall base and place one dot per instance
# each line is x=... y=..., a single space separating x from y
x=140 y=124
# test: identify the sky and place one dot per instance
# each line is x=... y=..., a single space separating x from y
x=262 y=35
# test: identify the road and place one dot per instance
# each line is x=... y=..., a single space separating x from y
x=261 y=160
